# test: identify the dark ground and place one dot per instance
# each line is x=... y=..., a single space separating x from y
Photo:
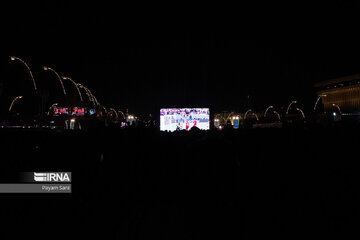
x=245 y=184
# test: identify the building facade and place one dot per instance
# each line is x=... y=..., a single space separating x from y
x=340 y=94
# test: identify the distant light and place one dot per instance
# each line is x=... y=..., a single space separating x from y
x=334 y=113
x=45 y=68
x=12 y=58
x=51 y=121
x=72 y=120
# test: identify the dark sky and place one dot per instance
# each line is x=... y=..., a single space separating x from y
x=226 y=57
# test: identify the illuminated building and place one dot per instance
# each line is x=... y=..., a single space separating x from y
x=340 y=95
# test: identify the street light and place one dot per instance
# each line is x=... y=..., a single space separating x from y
x=53 y=105
x=267 y=109
x=104 y=109
x=75 y=84
x=91 y=97
x=72 y=123
x=87 y=92
x=257 y=119
x=335 y=105
x=322 y=95
x=246 y=113
x=278 y=115
x=287 y=111
x=302 y=113
x=122 y=114
x=94 y=100
x=13 y=102
x=13 y=58
x=57 y=75
x=116 y=114
x=220 y=116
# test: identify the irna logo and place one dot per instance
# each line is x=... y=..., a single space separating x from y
x=51 y=177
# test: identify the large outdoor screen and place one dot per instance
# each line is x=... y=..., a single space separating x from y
x=172 y=119
x=60 y=111
x=78 y=111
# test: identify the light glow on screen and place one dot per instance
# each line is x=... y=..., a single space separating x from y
x=172 y=119
x=60 y=111
x=78 y=111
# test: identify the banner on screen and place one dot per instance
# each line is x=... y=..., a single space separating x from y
x=172 y=119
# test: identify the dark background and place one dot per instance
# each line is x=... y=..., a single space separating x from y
x=143 y=57
x=139 y=183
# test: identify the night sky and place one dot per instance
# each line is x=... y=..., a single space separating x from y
x=225 y=57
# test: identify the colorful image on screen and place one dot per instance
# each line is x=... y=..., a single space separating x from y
x=60 y=111
x=78 y=111
x=172 y=119
x=236 y=123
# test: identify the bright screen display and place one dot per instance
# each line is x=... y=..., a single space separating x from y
x=78 y=111
x=172 y=119
x=60 y=111
x=236 y=123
